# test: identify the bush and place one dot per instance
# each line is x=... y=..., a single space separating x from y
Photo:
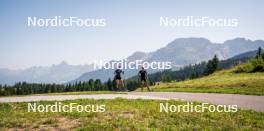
x=258 y=65
x=254 y=65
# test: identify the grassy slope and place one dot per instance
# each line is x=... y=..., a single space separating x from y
x=225 y=81
x=124 y=114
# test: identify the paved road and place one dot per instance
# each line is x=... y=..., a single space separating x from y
x=242 y=101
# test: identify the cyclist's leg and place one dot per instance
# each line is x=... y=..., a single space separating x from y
x=147 y=86
x=117 y=83
x=121 y=85
x=142 y=85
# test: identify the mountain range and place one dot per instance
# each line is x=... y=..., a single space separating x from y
x=59 y=73
x=180 y=52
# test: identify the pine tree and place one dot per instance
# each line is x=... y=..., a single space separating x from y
x=109 y=84
x=259 y=52
x=97 y=84
x=91 y=84
x=211 y=66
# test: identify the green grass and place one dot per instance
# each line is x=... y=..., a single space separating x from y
x=123 y=114
x=225 y=81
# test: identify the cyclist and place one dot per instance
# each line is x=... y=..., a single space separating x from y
x=143 y=75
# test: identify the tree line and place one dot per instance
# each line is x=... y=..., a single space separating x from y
x=24 y=88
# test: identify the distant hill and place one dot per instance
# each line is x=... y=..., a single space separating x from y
x=59 y=73
x=249 y=54
x=181 y=52
x=238 y=59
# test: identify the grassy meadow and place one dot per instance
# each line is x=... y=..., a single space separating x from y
x=123 y=114
x=225 y=81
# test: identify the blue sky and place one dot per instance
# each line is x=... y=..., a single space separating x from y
x=131 y=26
